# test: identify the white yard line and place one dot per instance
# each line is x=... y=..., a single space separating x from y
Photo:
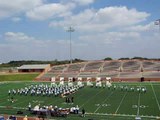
x=12 y=107
x=91 y=98
x=138 y=104
x=123 y=115
x=155 y=97
x=120 y=103
x=103 y=102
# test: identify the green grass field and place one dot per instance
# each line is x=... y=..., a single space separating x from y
x=19 y=77
x=99 y=103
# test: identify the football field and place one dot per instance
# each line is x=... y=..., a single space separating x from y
x=122 y=101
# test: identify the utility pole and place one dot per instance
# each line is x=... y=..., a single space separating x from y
x=70 y=30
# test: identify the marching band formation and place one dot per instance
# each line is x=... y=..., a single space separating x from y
x=46 y=90
x=139 y=89
x=63 y=90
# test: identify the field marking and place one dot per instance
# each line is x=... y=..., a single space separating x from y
x=138 y=104
x=141 y=106
x=103 y=102
x=120 y=103
x=123 y=115
x=91 y=98
x=155 y=96
x=13 y=107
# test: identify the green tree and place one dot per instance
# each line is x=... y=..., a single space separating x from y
x=108 y=58
x=124 y=58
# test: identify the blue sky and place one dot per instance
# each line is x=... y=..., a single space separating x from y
x=36 y=29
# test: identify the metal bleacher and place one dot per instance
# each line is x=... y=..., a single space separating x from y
x=93 y=66
x=59 y=68
x=151 y=66
x=131 y=66
x=103 y=69
x=87 y=74
x=75 y=67
x=111 y=66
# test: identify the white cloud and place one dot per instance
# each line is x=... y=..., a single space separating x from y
x=109 y=37
x=83 y=2
x=9 y=8
x=77 y=20
x=114 y=31
x=110 y=31
x=18 y=37
x=103 y=19
x=120 y=15
x=39 y=9
x=141 y=28
x=19 y=46
x=47 y=11
x=16 y=19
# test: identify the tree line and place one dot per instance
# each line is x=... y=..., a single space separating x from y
x=134 y=58
x=26 y=62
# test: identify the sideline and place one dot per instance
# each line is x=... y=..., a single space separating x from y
x=123 y=115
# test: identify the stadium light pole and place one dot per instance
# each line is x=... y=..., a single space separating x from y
x=157 y=22
x=70 y=30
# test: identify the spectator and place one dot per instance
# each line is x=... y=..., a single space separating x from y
x=83 y=112
x=12 y=117
x=29 y=107
x=77 y=109
x=25 y=118
x=72 y=99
